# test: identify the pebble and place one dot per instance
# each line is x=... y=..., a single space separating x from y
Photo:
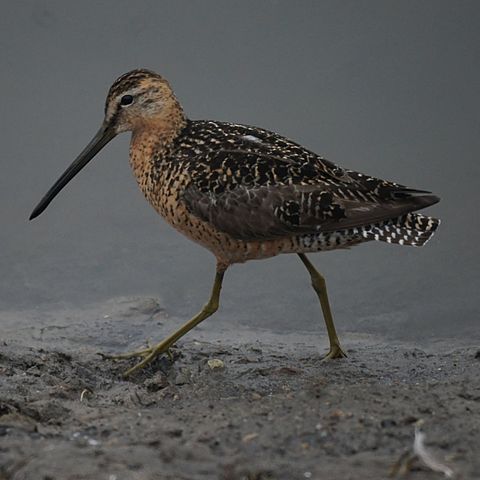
x=249 y=437
x=215 y=364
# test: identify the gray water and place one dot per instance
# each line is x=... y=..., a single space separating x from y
x=387 y=88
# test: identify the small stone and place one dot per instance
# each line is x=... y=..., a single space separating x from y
x=249 y=437
x=182 y=378
x=215 y=364
x=337 y=414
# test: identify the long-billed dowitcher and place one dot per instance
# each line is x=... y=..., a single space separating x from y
x=246 y=193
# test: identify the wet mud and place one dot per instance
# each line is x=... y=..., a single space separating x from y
x=231 y=405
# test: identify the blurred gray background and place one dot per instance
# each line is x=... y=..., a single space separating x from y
x=388 y=88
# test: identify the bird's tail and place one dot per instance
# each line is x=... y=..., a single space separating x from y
x=410 y=229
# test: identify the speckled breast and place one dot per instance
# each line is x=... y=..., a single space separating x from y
x=163 y=186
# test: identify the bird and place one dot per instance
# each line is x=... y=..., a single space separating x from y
x=245 y=193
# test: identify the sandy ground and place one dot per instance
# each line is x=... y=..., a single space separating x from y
x=273 y=411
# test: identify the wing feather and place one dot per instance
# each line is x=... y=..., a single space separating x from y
x=260 y=191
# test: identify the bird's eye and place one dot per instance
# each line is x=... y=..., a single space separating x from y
x=126 y=100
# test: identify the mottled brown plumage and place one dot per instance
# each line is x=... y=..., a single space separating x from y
x=247 y=193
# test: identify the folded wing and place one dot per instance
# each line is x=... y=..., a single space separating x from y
x=256 y=194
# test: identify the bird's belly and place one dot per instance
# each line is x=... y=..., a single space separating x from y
x=226 y=249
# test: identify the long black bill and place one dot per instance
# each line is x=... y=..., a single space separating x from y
x=102 y=137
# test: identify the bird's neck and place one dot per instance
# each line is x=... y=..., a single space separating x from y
x=153 y=139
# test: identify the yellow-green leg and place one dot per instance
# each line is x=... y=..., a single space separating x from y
x=320 y=287
x=149 y=354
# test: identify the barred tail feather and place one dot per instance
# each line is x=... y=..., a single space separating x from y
x=410 y=229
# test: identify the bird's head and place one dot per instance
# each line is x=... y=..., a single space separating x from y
x=138 y=100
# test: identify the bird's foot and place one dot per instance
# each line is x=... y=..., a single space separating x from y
x=334 y=352
x=146 y=354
